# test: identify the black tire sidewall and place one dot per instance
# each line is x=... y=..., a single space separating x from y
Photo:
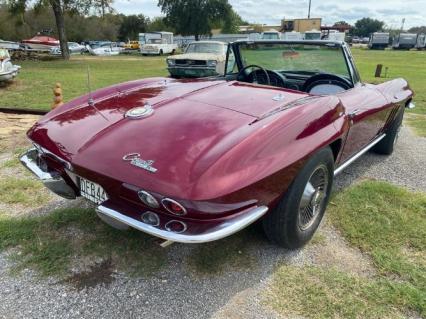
x=282 y=223
x=387 y=144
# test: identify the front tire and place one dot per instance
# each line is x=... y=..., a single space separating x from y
x=387 y=144
x=293 y=222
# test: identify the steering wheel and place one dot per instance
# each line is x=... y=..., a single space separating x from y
x=254 y=66
x=334 y=83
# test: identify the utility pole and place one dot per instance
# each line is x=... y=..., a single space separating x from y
x=402 y=25
x=309 y=10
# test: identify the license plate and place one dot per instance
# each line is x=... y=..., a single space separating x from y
x=92 y=191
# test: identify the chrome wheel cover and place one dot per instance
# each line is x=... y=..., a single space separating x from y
x=313 y=197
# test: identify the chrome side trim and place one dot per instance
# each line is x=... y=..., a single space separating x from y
x=225 y=229
x=358 y=155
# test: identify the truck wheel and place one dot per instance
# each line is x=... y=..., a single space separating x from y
x=293 y=222
x=387 y=144
x=161 y=52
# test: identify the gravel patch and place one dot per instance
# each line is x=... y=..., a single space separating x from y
x=178 y=292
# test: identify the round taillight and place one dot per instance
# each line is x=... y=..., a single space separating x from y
x=175 y=226
x=148 y=199
x=173 y=206
x=150 y=218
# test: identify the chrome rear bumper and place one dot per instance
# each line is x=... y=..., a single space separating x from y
x=220 y=231
x=52 y=180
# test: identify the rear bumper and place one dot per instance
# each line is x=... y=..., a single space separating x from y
x=122 y=215
x=221 y=230
x=51 y=179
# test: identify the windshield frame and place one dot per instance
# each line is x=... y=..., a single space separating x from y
x=350 y=66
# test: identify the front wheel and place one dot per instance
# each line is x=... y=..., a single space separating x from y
x=388 y=143
x=293 y=222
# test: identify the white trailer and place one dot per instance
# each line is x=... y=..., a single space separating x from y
x=421 y=41
x=405 y=41
x=270 y=35
x=378 y=40
x=334 y=35
x=292 y=36
x=158 y=43
x=312 y=35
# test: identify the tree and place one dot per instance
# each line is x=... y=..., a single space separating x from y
x=59 y=8
x=159 y=24
x=365 y=26
x=232 y=22
x=131 y=26
x=195 y=17
x=420 y=29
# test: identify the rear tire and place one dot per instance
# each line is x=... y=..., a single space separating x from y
x=387 y=144
x=293 y=222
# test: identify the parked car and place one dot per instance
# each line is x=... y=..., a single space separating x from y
x=404 y=41
x=73 y=47
x=7 y=69
x=355 y=40
x=40 y=43
x=201 y=58
x=132 y=45
x=158 y=43
x=379 y=40
x=197 y=160
x=9 y=45
x=104 y=49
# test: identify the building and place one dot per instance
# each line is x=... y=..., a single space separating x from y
x=300 y=25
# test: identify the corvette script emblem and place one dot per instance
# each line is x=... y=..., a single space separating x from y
x=135 y=159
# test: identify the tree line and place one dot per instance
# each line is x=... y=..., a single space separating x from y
x=80 y=20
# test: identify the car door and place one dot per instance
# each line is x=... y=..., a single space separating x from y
x=367 y=110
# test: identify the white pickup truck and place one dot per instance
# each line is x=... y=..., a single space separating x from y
x=158 y=43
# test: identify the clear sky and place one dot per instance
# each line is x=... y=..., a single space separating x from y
x=272 y=11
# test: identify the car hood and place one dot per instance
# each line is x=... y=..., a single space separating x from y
x=198 y=56
x=193 y=124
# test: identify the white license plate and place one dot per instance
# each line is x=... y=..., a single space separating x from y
x=92 y=191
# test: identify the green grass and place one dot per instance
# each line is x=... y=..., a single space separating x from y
x=389 y=224
x=417 y=122
x=21 y=191
x=406 y=64
x=14 y=161
x=318 y=293
x=49 y=243
x=33 y=87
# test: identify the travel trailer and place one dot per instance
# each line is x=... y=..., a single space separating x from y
x=378 y=40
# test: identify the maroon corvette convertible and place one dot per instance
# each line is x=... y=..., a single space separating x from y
x=194 y=161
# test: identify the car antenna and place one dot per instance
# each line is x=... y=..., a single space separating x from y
x=91 y=102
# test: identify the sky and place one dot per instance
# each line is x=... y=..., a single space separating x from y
x=272 y=11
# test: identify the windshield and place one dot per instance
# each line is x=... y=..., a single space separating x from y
x=294 y=58
x=154 y=41
x=216 y=48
